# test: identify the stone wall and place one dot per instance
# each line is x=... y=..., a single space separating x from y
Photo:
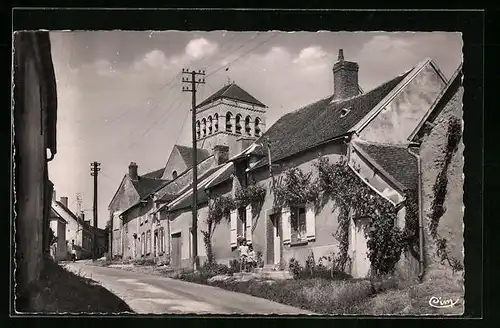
x=432 y=153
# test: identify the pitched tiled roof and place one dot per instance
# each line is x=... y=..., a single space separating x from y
x=395 y=160
x=170 y=195
x=225 y=176
x=202 y=197
x=234 y=92
x=54 y=214
x=187 y=154
x=69 y=212
x=146 y=186
x=319 y=122
x=157 y=174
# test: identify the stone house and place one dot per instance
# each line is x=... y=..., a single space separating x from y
x=371 y=130
x=58 y=226
x=34 y=120
x=79 y=232
x=441 y=162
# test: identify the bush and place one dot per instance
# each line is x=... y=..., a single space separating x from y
x=144 y=261
x=313 y=270
x=234 y=266
x=215 y=269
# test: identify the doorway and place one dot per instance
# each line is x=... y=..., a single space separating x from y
x=274 y=239
x=176 y=250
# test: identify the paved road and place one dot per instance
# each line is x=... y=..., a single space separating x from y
x=159 y=295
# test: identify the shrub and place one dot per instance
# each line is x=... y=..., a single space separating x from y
x=295 y=268
x=143 y=261
x=234 y=266
x=215 y=269
x=260 y=260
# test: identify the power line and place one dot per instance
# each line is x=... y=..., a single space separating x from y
x=241 y=46
x=156 y=122
x=244 y=54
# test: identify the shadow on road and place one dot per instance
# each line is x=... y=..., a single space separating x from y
x=61 y=291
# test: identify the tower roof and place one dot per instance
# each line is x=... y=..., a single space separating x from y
x=234 y=92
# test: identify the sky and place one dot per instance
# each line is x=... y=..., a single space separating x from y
x=120 y=96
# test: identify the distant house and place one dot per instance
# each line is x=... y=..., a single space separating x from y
x=80 y=232
x=58 y=226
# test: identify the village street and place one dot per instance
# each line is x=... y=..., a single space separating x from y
x=159 y=295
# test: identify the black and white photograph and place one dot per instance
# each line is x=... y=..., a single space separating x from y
x=239 y=172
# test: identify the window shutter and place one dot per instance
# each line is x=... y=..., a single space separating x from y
x=234 y=228
x=286 y=225
x=310 y=222
x=249 y=224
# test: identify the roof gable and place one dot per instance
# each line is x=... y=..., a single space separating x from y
x=446 y=94
x=394 y=161
x=233 y=92
x=320 y=122
x=59 y=208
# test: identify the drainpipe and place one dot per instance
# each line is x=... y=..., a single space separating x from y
x=420 y=215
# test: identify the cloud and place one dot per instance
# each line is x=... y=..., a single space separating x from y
x=154 y=59
x=310 y=55
x=201 y=47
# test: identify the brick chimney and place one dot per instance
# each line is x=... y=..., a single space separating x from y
x=64 y=201
x=221 y=154
x=345 y=78
x=82 y=215
x=132 y=171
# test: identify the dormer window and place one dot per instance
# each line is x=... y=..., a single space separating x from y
x=248 y=129
x=345 y=111
x=174 y=175
x=238 y=124
x=229 y=125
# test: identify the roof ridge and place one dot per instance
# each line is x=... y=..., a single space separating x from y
x=387 y=144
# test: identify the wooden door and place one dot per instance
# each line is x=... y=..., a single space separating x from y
x=176 y=250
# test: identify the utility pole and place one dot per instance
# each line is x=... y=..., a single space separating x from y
x=94 y=169
x=191 y=79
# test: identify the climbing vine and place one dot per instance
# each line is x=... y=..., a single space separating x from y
x=351 y=194
x=411 y=229
x=251 y=195
x=438 y=209
x=296 y=187
x=219 y=208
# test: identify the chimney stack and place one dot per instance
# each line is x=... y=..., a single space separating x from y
x=64 y=201
x=82 y=215
x=221 y=154
x=345 y=78
x=132 y=171
x=54 y=195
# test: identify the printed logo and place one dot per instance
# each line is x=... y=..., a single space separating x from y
x=440 y=303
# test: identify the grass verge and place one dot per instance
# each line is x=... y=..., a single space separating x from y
x=60 y=291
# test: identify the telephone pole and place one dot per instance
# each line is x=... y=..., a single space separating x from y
x=191 y=80
x=94 y=169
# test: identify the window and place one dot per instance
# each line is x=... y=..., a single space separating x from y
x=257 y=127
x=148 y=242
x=210 y=125
x=216 y=122
x=298 y=224
x=248 y=129
x=161 y=241
x=198 y=132
x=174 y=175
x=242 y=222
x=143 y=244
x=204 y=127
x=229 y=126
x=238 y=124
